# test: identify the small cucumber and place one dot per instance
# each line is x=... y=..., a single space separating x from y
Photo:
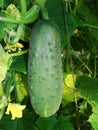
x=45 y=68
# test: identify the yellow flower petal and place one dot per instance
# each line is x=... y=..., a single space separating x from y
x=15 y=110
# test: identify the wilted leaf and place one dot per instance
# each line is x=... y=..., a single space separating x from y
x=68 y=88
x=13 y=11
x=20 y=84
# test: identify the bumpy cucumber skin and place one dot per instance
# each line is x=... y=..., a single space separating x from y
x=45 y=68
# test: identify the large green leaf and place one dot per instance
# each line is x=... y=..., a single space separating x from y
x=55 y=11
x=72 y=23
x=46 y=123
x=88 y=89
x=25 y=123
x=89 y=11
x=63 y=123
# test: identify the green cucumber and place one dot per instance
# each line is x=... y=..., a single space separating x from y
x=45 y=68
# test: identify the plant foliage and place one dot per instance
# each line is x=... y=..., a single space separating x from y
x=78 y=24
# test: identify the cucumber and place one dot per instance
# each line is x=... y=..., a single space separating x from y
x=45 y=68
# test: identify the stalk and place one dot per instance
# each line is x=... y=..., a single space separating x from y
x=67 y=37
x=23 y=8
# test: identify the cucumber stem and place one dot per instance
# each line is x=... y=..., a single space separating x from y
x=44 y=12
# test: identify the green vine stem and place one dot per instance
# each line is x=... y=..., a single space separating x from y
x=3 y=19
x=73 y=52
x=67 y=66
x=19 y=53
x=76 y=6
x=10 y=20
x=91 y=26
x=23 y=8
x=69 y=58
x=95 y=65
x=19 y=33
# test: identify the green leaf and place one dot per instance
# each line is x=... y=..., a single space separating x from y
x=7 y=83
x=5 y=3
x=3 y=104
x=32 y=14
x=5 y=25
x=89 y=11
x=5 y=62
x=20 y=64
x=55 y=12
x=63 y=123
x=94 y=118
x=46 y=123
x=1 y=50
x=88 y=88
x=25 y=123
x=72 y=23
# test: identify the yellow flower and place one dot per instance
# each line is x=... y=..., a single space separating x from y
x=69 y=88
x=70 y=80
x=76 y=31
x=15 y=110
